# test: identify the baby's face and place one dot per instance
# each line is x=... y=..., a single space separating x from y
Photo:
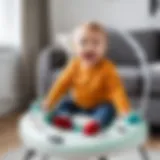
x=90 y=45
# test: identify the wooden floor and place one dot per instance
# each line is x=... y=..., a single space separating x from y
x=9 y=135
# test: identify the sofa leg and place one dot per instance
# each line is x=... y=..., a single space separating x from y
x=29 y=154
x=143 y=153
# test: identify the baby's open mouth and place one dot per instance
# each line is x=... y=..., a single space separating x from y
x=89 y=56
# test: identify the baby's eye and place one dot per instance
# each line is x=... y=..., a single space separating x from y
x=83 y=42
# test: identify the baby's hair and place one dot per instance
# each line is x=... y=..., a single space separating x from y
x=94 y=26
x=91 y=26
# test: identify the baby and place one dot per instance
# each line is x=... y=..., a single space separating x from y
x=96 y=89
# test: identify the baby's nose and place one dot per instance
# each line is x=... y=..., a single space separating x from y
x=90 y=46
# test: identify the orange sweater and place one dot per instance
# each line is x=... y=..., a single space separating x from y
x=90 y=87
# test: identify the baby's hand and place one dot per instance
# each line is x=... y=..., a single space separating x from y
x=45 y=106
x=124 y=115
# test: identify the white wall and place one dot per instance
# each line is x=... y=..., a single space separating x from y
x=10 y=22
x=124 y=14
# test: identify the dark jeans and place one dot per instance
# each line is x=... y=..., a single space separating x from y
x=103 y=113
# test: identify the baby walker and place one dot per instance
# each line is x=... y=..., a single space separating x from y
x=39 y=136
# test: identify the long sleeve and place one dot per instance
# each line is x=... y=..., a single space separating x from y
x=61 y=86
x=116 y=89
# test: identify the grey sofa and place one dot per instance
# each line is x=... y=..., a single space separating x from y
x=52 y=59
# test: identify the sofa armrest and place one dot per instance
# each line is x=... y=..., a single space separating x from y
x=49 y=60
x=155 y=77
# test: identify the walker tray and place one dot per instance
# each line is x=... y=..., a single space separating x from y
x=37 y=133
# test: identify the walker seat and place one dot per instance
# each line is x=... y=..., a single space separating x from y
x=38 y=133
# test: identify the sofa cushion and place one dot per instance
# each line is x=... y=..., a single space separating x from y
x=149 y=40
x=122 y=53
x=130 y=77
x=119 y=50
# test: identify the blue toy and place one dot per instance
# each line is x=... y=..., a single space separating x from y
x=133 y=118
